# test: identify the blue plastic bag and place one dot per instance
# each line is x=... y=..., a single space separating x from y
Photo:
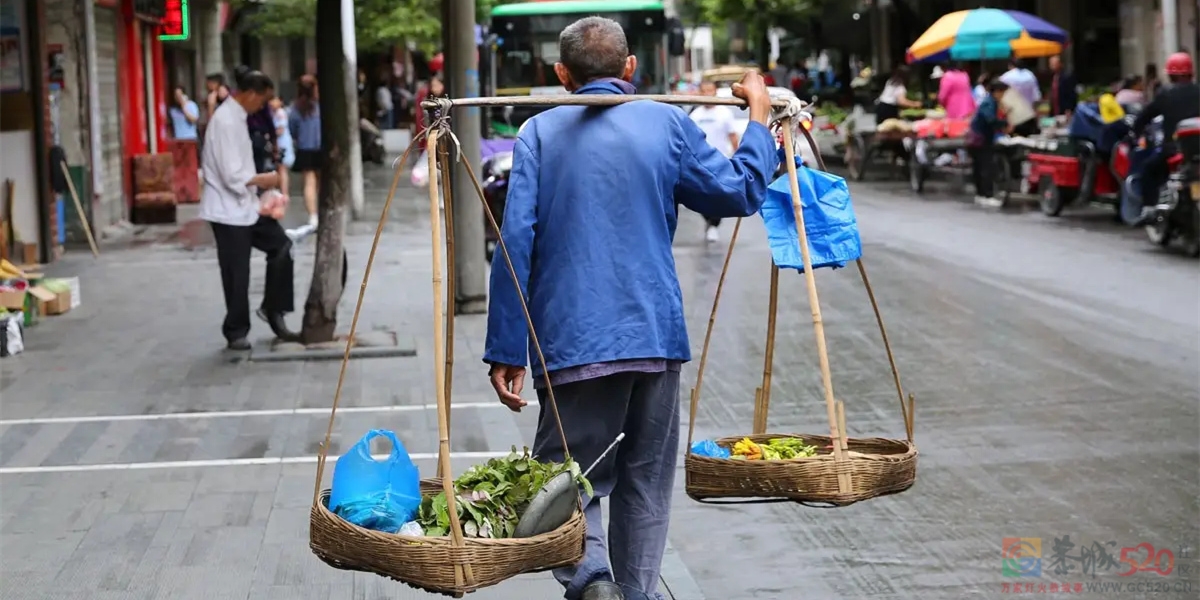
x=710 y=449
x=379 y=495
x=829 y=220
x=1086 y=123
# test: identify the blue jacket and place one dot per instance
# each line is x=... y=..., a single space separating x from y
x=589 y=220
x=987 y=121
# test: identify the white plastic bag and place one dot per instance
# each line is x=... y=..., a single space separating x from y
x=12 y=337
x=420 y=172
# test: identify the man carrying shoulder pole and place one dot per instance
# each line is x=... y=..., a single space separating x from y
x=589 y=230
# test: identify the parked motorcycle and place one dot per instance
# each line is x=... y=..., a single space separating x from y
x=1177 y=213
x=1129 y=160
x=371 y=140
x=497 y=169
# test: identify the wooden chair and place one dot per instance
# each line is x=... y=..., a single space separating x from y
x=187 y=168
x=154 y=196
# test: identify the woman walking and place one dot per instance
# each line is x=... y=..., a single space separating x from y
x=304 y=125
x=287 y=150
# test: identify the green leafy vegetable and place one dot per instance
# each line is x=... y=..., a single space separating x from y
x=492 y=496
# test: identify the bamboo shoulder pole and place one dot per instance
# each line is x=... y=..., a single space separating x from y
x=593 y=100
x=461 y=572
x=839 y=454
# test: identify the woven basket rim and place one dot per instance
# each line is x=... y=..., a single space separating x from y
x=445 y=540
x=909 y=449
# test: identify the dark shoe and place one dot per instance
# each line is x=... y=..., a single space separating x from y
x=602 y=590
x=240 y=344
x=278 y=326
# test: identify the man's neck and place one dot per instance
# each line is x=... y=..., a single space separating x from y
x=242 y=101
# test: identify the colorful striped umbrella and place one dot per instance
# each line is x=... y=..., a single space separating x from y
x=987 y=34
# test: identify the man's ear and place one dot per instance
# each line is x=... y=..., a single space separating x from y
x=564 y=77
x=630 y=68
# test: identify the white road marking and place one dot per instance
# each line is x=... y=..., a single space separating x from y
x=224 y=462
x=282 y=412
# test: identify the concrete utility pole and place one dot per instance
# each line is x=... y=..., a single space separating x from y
x=462 y=73
x=1170 y=28
x=350 y=48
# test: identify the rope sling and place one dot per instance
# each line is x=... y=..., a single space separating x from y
x=457 y=565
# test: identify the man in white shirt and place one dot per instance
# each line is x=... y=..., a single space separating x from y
x=721 y=131
x=230 y=204
x=1023 y=80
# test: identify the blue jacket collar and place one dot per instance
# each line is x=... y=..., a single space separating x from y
x=607 y=85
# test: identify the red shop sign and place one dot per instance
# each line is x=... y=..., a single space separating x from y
x=175 y=23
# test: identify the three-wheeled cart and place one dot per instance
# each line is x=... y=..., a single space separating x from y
x=1064 y=172
x=865 y=149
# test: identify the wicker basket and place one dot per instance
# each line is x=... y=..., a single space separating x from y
x=428 y=563
x=451 y=565
x=877 y=467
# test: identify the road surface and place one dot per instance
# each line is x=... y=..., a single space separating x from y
x=1055 y=365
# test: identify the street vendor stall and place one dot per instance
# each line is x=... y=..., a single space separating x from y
x=979 y=34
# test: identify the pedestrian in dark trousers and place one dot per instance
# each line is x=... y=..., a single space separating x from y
x=230 y=204
x=987 y=123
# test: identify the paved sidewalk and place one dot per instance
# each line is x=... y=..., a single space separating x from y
x=1054 y=367
x=139 y=460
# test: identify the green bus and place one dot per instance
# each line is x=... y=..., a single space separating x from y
x=524 y=42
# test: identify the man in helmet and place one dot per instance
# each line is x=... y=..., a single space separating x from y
x=1178 y=102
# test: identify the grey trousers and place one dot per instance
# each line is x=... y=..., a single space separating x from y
x=637 y=477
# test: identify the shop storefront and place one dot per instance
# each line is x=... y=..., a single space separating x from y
x=26 y=203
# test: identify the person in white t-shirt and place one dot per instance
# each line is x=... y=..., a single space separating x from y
x=721 y=131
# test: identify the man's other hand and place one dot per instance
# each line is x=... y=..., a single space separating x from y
x=508 y=381
x=753 y=90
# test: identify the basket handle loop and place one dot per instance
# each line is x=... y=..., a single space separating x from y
x=712 y=318
x=810 y=282
x=906 y=409
x=323 y=452
x=462 y=572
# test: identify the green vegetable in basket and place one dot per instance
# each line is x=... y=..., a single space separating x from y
x=787 y=448
x=491 y=497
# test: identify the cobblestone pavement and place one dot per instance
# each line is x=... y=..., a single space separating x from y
x=1054 y=363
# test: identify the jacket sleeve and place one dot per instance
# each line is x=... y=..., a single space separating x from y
x=1148 y=114
x=716 y=186
x=507 y=341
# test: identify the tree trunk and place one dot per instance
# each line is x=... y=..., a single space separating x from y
x=339 y=117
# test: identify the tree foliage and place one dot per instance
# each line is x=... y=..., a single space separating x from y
x=754 y=11
x=378 y=23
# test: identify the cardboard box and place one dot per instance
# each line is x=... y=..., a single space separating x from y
x=50 y=303
x=12 y=300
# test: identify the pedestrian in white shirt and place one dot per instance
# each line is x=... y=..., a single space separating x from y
x=1023 y=80
x=721 y=131
x=230 y=203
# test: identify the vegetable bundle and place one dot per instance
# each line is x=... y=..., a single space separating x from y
x=491 y=497
x=775 y=449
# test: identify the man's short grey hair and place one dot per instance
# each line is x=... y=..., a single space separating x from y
x=592 y=48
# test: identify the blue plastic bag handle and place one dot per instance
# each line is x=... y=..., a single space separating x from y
x=390 y=435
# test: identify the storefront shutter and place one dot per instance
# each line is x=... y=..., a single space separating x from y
x=112 y=194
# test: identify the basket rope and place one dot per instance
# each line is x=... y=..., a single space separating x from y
x=835 y=410
x=443 y=362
